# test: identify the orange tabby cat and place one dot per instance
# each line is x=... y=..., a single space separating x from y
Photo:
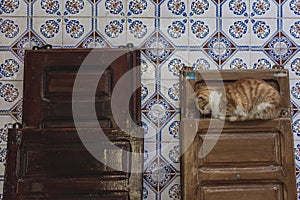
x=245 y=99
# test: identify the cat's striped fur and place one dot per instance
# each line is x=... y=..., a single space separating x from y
x=245 y=99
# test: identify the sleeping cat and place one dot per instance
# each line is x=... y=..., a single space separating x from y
x=245 y=99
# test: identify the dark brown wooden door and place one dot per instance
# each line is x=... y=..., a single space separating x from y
x=251 y=160
x=47 y=159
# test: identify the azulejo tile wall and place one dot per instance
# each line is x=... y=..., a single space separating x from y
x=204 y=34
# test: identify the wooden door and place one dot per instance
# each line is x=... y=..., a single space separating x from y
x=47 y=159
x=250 y=160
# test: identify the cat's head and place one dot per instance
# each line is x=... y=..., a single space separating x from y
x=202 y=100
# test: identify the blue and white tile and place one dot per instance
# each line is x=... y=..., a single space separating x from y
x=262 y=30
x=148 y=90
x=170 y=90
x=200 y=30
x=291 y=28
x=75 y=31
x=203 y=8
x=198 y=60
x=150 y=131
x=11 y=67
x=6 y=122
x=173 y=190
x=111 y=8
x=150 y=152
x=47 y=8
x=49 y=30
x=176 y=29
x=293 y=65
x=290 y=9
x=11 y=29
x=170 y=68
x=139 y=29
x=151 y=174
x=148 y=68
x=239 y=61
x=238 y=31
x=14 y=8
x=11 y=92
x=280 y=48
x=148 y=192
x=260 y=60
x=78 y=8
x=166 y=174
x=113 y=30
x=296 y=130
x=141 y=8
x=158 y=111
x=3 y=152
x=170 y=132
x=173 y=8
x=171 y=152
x=235 y=9
x=297 y=152
x=264 y=9
x=158 y=48
x=295 y=109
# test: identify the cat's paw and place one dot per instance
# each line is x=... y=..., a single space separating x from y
x=222 y=117
x=233 y=118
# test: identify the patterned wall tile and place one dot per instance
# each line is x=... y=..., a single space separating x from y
x=148 y=90
x=48 y=30
x=171 y=67
x=293 y=65
x=158 y=111
x=238 y=31
x=11 y=29
x=148 y=192
x=150 y=131
x=3 y=152
x=173 y=8
x=148 y=68
x=203 y=8
x=141 y=8
x=291 y=28
x=171 y=153
x=260 y=60
x=78 y=8
x=199 y=60
x=14 y=8
x=200 y=30
x=170 y=132
x=150 y=153
x=10 y=94
x=11 y=66
x=235 y=9
x=6 y=122
x=290 y=9
x=176 y=29
x=139 y=29
x=169 y=89
x=111 y=8
x=173 y=190
x=47 y=8
x=76 y=31
x=240 y=60
x=262 y=30
x=264 y=9
x=113 y=30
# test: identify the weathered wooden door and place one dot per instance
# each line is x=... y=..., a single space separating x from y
x=251 y=160
x=46 y=157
